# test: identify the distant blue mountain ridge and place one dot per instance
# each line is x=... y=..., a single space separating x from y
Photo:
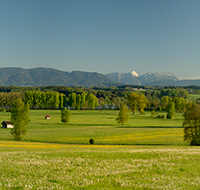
x=15 y=76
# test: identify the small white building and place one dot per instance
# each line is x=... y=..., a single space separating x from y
x=47 y=117
x=7 y=124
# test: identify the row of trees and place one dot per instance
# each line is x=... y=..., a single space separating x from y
x=37 y=99
x=83 y=101
x=8 y=98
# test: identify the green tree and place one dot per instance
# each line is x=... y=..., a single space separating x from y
x=191 y=124
x=92 y=100
x=83 y=96
x=61 y=100
x=142 y=103
x=123 y=115
x=164 y=102
x=65 y=115
x=20 y=119
x=170 y=110
x=55 y=99
x=179 y=103
x=72 y=100
x=43 y=100
x=133 y=102
x=49 y=99
x=136 y=101
x=78 y=101
x=36 y=99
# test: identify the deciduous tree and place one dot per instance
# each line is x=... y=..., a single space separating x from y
x=142 y=103
x=92 y=100
x=136 y=101
x=72 y=100
x=20 y=119
x=123 y=115
x=191 y=124
x=170 y=110
x=65 y=115
x=133 y=102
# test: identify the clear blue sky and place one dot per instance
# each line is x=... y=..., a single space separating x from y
x=102 y=35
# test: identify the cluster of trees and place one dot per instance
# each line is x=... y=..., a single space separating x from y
x=83 y=101
x=113 y=96
x=179 y=103
x=90 y=101
x=137 y=102
x=8 y=98
x=160 y=100
x=37 y=99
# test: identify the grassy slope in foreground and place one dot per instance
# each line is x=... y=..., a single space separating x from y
x=102 y=127
x=27 y=165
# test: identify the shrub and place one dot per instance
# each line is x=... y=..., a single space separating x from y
x=91 y=141
x=170 y=110
x=65 y=115
x=161 y=116
x=153 y=113
x=159 y=108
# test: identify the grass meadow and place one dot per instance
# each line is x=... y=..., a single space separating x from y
x=30 y=165
x=145 y=153
x=102 y=127
x=193 y=97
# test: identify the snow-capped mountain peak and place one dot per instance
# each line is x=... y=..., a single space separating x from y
x=135 y=74
x=145 y=79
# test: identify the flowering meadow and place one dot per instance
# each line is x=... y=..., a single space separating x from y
x=145 y=153
x=29 y=165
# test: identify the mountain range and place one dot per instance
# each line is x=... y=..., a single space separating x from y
x=145 y=79
x=11 y=76
x=51 y=77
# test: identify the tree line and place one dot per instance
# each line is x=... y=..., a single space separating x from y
x=136 y=100
x=35 y=99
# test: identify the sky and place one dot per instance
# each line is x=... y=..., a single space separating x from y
x=102 y=36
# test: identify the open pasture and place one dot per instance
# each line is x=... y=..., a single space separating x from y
x=30 y=165
x=193 y=97
x=102 y=127
x=123 y=157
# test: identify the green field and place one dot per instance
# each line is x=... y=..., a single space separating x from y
x=102 y=127
x=193 y=97
x=145 y=153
